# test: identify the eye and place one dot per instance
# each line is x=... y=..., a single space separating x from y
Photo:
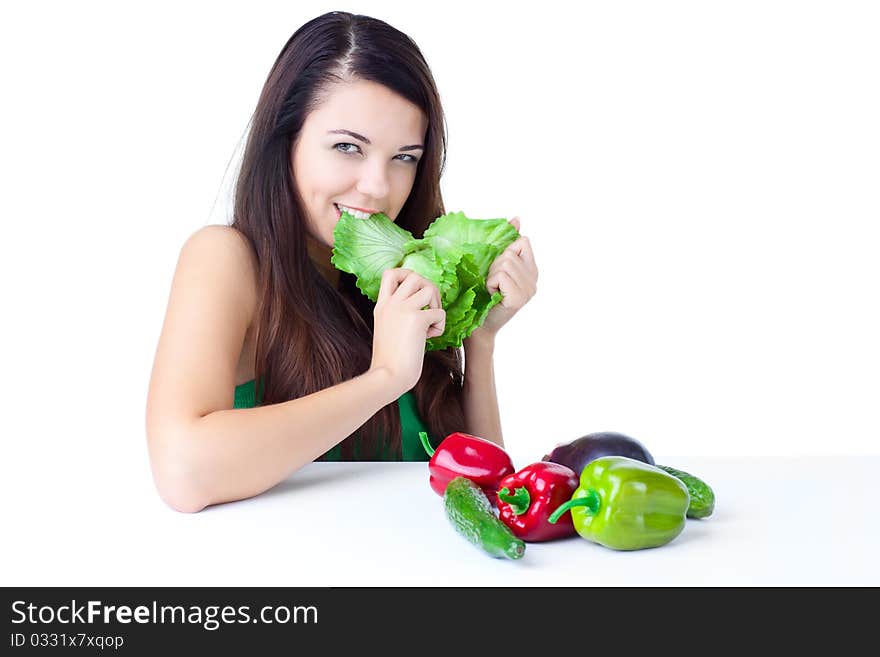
x=341 y=148
x=345 y=151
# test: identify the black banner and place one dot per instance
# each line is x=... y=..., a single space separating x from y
x=146 y=620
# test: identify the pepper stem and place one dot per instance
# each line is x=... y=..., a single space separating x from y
x=520 y=500
x=591 y=501
x=423 y=437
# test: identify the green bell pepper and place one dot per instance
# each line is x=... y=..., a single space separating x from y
x=625 y=504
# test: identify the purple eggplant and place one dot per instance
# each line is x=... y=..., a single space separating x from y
x=578 y=453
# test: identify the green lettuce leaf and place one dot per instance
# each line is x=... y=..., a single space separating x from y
x=366 y=248
x=455 y=254
x=483 y=239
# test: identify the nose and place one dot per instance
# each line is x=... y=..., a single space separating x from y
x=373 y=181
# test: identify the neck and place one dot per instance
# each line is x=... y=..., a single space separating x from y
x=320 y=255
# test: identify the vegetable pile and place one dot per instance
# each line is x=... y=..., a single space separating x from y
x=604 y=487
x=455 y=254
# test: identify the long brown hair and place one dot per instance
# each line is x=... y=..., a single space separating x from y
x=311 y=336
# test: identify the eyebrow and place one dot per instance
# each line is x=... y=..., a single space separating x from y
x=367 y=141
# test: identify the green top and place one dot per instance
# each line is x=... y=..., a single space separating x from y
x=410 y=424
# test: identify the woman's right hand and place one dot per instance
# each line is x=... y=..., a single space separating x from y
x=400 y=326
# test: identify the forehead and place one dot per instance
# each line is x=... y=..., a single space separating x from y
x=369 y=109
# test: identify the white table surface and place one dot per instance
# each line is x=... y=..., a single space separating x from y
x=778 y=521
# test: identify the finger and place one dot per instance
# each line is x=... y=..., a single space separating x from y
x=428 y=293
x=522 y=248
x=516 y=268
x=411 y=284
x=503 y=282
x=436 y=321
x=516 y=223
x=425 y=297
x=436 y=302
x=391 y=280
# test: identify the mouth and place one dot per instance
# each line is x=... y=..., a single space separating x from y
x=357 y=214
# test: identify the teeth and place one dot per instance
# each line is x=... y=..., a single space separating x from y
x=357 y=214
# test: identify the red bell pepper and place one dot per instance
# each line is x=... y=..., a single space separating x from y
x=527 y=498
x=463 y=455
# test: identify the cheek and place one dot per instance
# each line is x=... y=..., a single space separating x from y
x=326 y=180
x=325 y=177
x=402 y=188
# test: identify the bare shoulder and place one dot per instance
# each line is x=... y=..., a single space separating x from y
x=227 y=252
x=210 y=308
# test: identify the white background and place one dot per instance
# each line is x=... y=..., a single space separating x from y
x=699 y=181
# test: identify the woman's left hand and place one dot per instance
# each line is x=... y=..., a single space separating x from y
x=515 y=274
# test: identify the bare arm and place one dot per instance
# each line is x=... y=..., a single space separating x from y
x=235 y=454
x=201 y=450
x=481 y=414
x=514 y=274
x=204 y=452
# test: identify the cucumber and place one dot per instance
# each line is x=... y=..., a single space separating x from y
x=470 y=513
x=702 y=498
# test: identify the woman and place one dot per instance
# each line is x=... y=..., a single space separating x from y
x=271 y=358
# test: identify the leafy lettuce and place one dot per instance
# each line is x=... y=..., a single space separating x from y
x=455 y=254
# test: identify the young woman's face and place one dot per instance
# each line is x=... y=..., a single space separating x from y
x=333 y=167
